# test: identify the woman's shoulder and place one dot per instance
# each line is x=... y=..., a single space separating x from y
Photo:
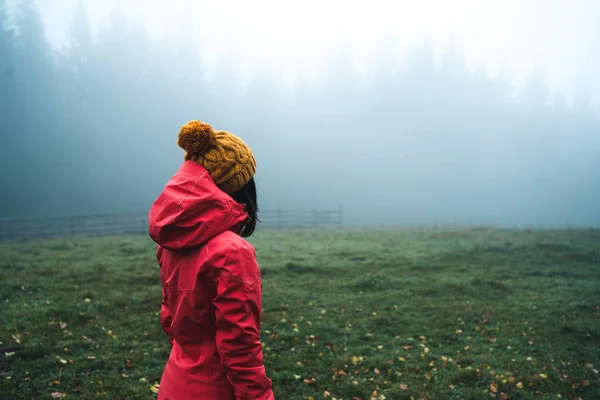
x=230 y=242
x=231 y=254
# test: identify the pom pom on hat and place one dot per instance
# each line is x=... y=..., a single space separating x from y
x=196 y=137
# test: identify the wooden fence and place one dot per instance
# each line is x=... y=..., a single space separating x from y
x=137 y=223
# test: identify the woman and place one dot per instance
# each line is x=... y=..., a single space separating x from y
x=211 y=284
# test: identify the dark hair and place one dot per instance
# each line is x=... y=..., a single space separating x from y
x=247 y=196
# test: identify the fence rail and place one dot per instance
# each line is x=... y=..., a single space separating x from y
x=137 y=223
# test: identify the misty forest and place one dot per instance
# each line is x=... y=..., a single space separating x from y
x=464 y=265
x=415 y=142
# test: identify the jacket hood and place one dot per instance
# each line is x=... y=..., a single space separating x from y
x=191 y=210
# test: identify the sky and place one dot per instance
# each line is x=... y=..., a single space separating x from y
x=556 y=37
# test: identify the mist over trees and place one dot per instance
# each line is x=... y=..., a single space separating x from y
x=93 y=130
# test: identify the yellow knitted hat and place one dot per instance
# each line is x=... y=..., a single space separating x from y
x=228 y=160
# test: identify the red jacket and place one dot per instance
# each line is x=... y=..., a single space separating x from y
x=212 y=289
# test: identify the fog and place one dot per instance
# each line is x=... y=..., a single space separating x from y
x=468 y=113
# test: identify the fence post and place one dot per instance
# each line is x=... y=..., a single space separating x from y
x=279 y=217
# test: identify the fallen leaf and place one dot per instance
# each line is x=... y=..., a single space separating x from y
x=58 y=395
x=154 y=388
x=494 y=387
x=403 y=387
x=63 y=361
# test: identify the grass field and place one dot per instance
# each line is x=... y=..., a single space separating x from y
x=436 y=314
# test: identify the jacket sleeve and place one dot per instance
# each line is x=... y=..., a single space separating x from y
x=238 y=307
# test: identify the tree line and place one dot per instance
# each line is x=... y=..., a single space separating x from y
x=93 y=129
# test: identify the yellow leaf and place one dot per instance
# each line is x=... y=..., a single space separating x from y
x=401 y=359
x=154 y=388
x=543 y=376
x=63 y=361
x=519 y=385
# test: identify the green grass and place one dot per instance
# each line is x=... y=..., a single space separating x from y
x=435 y=314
